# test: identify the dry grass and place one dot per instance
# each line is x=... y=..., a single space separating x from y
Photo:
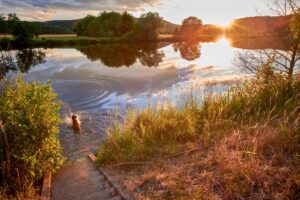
x=257 y=162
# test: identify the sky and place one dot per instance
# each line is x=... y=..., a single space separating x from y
x=219 y=12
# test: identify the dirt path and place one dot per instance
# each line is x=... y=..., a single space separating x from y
x=78 y=178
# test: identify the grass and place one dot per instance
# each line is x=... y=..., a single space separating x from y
x=7 y=41
x=249 y=140
x=154 y=133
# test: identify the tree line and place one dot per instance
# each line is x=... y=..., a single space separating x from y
x=114 y=24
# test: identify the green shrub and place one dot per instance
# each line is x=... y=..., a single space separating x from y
x=29 y=113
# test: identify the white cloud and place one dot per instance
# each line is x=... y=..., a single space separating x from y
x=45 y=9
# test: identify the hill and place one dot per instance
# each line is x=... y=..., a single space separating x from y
x=259 y=26
x=168 y=27
x=65 y=27
x=57 y=27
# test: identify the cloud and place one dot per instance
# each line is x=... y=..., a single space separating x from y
x=44 y=9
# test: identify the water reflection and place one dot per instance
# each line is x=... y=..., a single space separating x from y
x=118 y=55
x=7 y=64
x=253 y=43
x=101 y=77
x=23 y=60
x=188 y=50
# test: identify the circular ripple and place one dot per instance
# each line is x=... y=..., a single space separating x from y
x=85 y=93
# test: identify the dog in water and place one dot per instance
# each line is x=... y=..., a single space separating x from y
x=76 y=124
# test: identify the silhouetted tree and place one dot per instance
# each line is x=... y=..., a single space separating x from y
x=190 y=28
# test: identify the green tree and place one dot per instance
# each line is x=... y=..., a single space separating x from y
x=22 y=35
x=128 y=22
x=148 y=26
x=81 y=26
x=11 y=22
x=2 y=24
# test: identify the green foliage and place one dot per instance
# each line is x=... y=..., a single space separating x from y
x=22 y=35
x=148 y=26
x=107 y=24
x=114 y=24
x=29 y=112
x=81 y=27
x=154 y=133
x=22 y=31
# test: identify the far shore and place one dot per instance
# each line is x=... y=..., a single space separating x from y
x=7 y=41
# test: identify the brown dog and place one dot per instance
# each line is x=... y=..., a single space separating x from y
x=76 y=125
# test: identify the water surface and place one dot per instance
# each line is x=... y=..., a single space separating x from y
x=106 y=77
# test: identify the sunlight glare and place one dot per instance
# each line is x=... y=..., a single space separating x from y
x=224 y=41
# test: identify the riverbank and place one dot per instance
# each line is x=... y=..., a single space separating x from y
x=52 y=41
x=242 y=144
x=8 y=42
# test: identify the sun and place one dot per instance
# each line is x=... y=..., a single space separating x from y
x=226 y=23
x=224 y=41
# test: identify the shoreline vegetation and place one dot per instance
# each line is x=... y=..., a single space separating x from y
x=114 y=27
x=71 y=41
x=239 y=144
x=50 y=41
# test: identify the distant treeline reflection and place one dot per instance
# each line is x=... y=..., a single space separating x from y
x=22 y=61
x=127 y=54
x=148 y=54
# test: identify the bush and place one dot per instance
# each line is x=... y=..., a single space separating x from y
x=29 y=113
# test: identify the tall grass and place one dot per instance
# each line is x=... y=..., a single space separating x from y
x=154 y=133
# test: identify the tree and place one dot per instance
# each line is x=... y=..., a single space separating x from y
x=22 y=35
x=11 y=21
x=2 y=24
x=193 y=22
x=190 y=28
x=107 y=24
x=81 y=26
x=148 y=26
x=285 y=61
x=128 y=22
